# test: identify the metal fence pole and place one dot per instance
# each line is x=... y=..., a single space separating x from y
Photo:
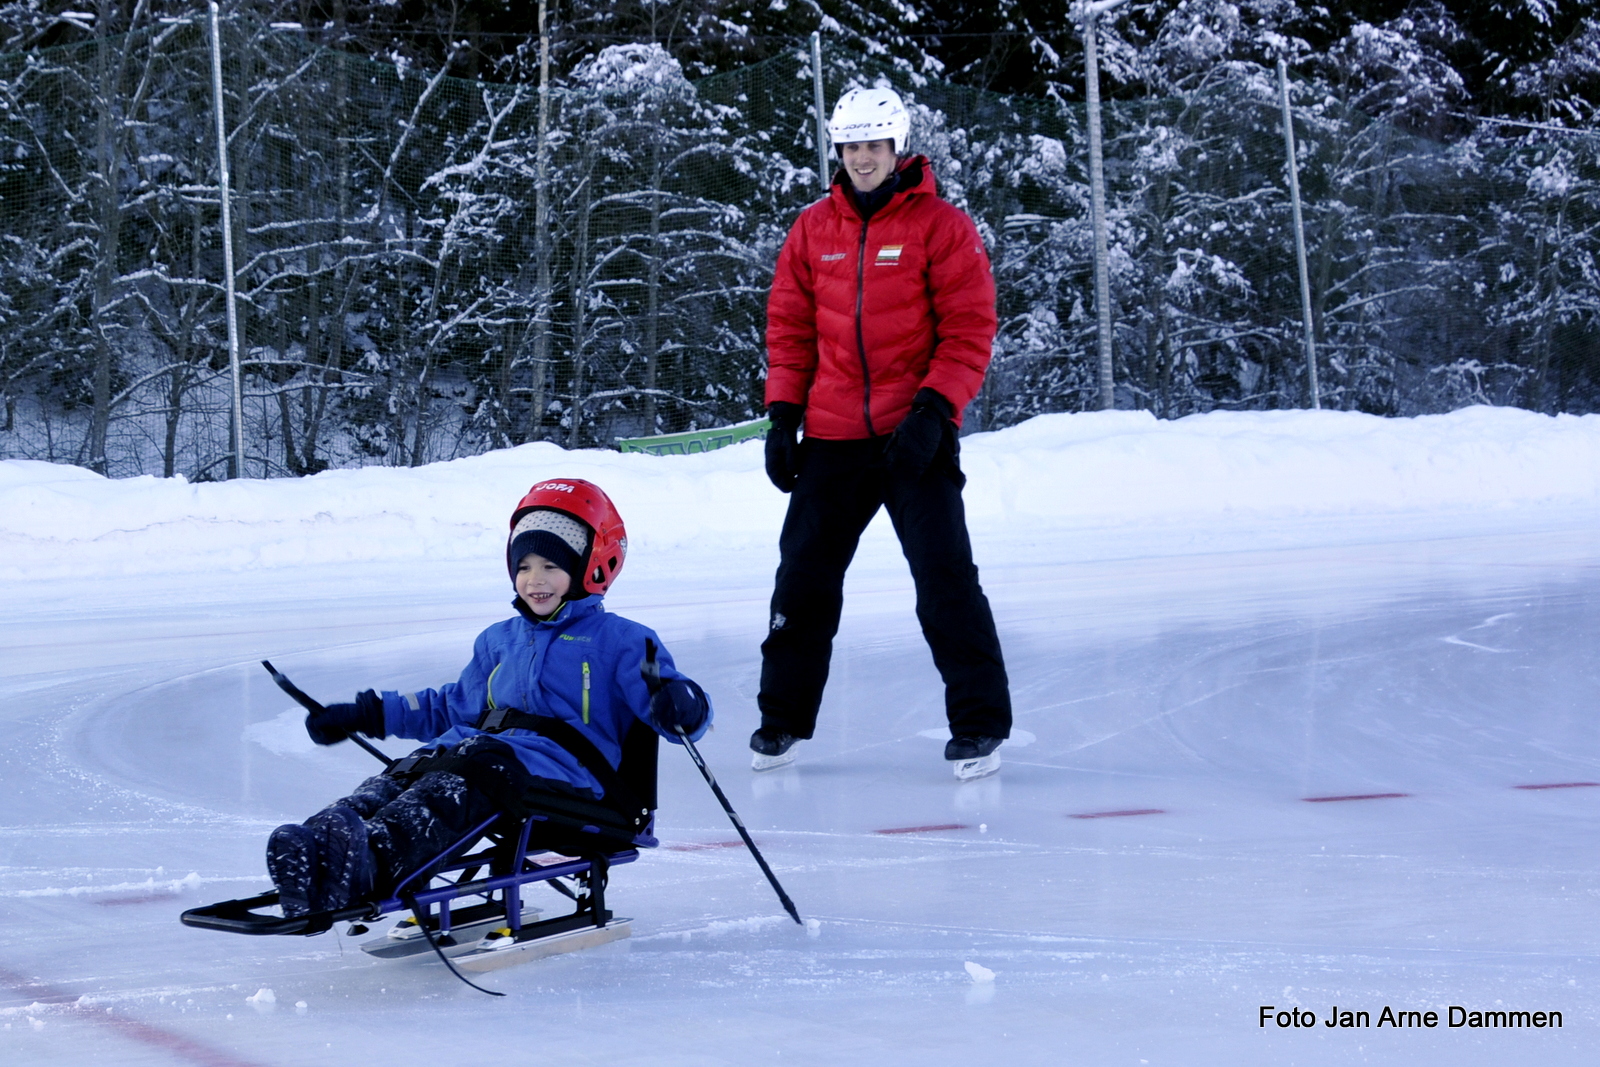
x=1090 y=14
x=822 y=120
x=1299 y=234
x=236 y=468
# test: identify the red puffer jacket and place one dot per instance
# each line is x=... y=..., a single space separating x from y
x=864 y=313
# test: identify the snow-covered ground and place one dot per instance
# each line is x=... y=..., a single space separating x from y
x=1215 y=628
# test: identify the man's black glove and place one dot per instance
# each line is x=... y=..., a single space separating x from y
x=783 y=450
x=916 y=439
x=675 y=703
x=336 y=722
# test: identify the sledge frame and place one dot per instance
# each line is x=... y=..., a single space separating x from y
x=432 y=891
x=506 y=864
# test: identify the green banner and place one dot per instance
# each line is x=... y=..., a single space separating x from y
x=687 y=444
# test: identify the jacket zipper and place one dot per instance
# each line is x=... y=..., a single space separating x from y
x=861 y=343
x=586 y=692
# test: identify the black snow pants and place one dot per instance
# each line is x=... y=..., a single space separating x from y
x=840 y=487
x=409 y=824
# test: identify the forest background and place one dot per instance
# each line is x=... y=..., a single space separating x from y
x=442 y=248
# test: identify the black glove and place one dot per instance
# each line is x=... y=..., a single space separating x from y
x=916 y=440
x=336 y=722
x=676 y=703
x=783 y=451
x=679 y=704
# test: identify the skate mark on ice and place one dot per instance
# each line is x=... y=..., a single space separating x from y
x=717 y=928
x=1468 y=644
x=702 y=846
x=1559 y=785
x=1355 y=796
x=147 y=898
x=73 y=1006
x=924 y=829
x=1118 y=814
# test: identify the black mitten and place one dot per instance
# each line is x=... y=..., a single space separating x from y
x=336 y=722
x=916 y=440
x=783 y=447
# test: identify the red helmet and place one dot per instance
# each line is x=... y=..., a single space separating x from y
x=588 y=503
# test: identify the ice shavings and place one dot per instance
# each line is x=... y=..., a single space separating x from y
x=172 y=886
x=283 y=736
x=721 y=927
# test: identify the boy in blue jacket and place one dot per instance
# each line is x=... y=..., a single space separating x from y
x=537 y=719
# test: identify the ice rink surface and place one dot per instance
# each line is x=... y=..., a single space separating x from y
x=1360 y=775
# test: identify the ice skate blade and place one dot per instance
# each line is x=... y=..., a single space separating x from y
x=572 y=941
x=968 y=770
x=758 y=762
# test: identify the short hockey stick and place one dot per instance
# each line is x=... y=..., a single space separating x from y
x=313 y=707
x=652 y=671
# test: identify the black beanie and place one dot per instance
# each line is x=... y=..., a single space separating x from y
x=555 y=535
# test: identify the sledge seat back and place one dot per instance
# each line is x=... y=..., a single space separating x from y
x=637 y=768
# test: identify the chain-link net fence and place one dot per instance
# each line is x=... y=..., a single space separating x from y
x=429 y=267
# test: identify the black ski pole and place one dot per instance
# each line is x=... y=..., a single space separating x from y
x=313 y=707
x=694 y=753
x=652 y=672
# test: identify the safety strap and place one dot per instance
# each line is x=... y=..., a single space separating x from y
x=574 y=812
x=618 y=795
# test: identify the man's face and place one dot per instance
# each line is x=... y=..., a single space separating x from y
x=869 y=163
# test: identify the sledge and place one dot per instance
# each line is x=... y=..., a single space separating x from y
x=466 y=903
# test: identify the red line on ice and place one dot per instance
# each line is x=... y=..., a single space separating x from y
x=148 y=898
x=154 y=1036
x=1114 y=814
x=703 y=847
x=924 y=829
x=1355 y=796
x=1558 y=785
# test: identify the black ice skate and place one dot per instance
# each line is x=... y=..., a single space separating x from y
x=772 y=748
x=973 y=757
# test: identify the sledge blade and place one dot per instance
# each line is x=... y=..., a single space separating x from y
x=405 y=937
x=539 y=947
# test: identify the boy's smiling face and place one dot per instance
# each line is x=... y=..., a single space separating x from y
x=542 y=585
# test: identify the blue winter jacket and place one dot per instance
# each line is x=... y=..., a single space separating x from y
x=580 y=665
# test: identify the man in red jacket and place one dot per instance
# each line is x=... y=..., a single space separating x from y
x=879 y=328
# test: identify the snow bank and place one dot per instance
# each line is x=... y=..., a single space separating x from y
x=1127 y=467
x=1049 y=477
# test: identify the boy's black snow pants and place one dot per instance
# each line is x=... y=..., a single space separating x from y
x=840 y=487
x=408 y=825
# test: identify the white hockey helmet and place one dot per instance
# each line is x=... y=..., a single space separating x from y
x=870 y=115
